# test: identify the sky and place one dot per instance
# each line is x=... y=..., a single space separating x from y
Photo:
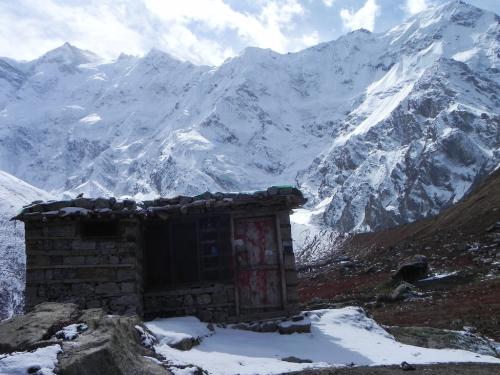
x=200 y=31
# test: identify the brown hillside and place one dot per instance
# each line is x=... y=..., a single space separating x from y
x=463 y=240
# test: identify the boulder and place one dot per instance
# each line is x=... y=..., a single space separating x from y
x=414 y=269
x=269 y=326
x=435 y=338
x=35 y=329
x=103 y=344
x=289 y=327
x=405 y=366
x=111 y=345
x=293 y=359
x=264 y=326
x=401 y=291
x=187 y=343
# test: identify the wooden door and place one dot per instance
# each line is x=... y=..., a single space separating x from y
x=258 y=266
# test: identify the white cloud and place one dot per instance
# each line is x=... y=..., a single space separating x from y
x=328 y=3
x=363 y=18
x=412 y=7
x=204 y=32
x=310 y=39
x=265 y=30
x=30 y=28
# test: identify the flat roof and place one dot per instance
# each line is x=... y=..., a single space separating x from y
x=277 y=197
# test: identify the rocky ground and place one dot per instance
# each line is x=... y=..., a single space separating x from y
x=446 y=369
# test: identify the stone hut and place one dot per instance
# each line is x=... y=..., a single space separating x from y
x=221 y=257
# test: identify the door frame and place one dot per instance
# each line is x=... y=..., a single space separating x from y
x=279 y=245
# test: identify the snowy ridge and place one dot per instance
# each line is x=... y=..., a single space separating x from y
x=376 y=129
x=14 y=193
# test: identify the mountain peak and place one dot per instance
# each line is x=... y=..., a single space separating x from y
x=158 y=57
x=361 y=31
x=457 y=12
x=68 y=54
x=155 y=54
x=253 y=55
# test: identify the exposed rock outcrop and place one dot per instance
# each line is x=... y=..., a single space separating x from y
x=35 y=329
x=109 y=345
x=442 y=338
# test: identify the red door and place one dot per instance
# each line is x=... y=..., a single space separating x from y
x=258 y=266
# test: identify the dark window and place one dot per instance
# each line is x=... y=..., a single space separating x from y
x=216 y=251
x=99 y=229
x=185 y=251
x=188 y=250
x=157 y=256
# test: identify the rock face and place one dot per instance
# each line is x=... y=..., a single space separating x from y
x=110 y=345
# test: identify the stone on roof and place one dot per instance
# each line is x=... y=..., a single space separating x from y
x=277 y=196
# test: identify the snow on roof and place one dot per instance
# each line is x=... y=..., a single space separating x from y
x=275 y=196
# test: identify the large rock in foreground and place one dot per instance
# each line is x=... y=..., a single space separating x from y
x=34 y=330
x=110 y=344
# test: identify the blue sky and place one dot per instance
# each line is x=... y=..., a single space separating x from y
x=200 y=31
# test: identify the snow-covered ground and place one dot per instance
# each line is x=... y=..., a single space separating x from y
x=18 y=363
x=338 y=337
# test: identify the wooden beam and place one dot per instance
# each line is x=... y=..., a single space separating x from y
x=281 y=263
x=72 y=266
x=235 y=268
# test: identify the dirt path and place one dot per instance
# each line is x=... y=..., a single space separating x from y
x=442 y=369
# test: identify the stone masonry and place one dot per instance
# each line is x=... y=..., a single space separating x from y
x=92 y=272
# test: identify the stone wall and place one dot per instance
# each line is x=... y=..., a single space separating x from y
x=211 y=302
x=92 y=272
x=63 y=265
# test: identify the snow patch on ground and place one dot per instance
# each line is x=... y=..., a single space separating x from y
x=71 y=331
x=338 y=337
x=18 y=363
x=173 y=331
x=439 y=276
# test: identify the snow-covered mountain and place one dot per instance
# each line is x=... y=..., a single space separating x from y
x=377 y=129
x=14 y=194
